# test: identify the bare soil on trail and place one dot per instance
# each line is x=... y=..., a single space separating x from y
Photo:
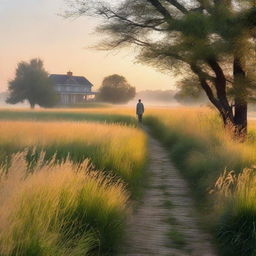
x=166 y=223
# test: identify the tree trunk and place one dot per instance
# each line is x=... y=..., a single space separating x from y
x=220 y=102
x=241 y=105
x=221 y=92
x=227 y=117
x=240 y=118
x=234 y=122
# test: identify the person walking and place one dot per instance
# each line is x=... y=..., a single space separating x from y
x=140 y=110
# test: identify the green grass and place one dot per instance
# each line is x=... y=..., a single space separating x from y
x=162 y=187
x=237 y=229
x=56 y=115
x=171 y=221
x=168 y=204
x=166 y=193
x=177 y=238
x=237 y=222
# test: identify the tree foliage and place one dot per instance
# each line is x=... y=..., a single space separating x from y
x=115 y=89
x=31 y=83
x=190 y=91
x=212 y=39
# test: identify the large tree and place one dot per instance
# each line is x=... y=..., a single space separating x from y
x=212 y=39
x=115 y=89
x=31 y=83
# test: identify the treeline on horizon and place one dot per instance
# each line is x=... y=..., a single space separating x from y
x=155 y=96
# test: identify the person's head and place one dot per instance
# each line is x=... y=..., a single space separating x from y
x=139 y=100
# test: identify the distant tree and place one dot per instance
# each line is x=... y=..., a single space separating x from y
x=32 y=84
x=212 y=39
x=115 y=89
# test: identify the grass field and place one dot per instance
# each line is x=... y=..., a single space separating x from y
x=220 y=171
x=203 y=150
x=110 y=147
x=109 y=115
x=65 y=185
x=63 y=209
x=199 y=145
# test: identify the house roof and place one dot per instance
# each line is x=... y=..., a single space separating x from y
x=73 y=80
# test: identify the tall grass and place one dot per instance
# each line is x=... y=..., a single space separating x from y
x=64 y=209
x=65 y=191
x=236 y=202
x=202 y=150
x=110 y=147
x=199 y=145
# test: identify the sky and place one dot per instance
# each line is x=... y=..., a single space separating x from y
x=34 y=29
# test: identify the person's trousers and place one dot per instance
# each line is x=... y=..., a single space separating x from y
x=140 y=118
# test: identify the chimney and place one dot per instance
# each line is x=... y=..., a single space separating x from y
x=69 y=73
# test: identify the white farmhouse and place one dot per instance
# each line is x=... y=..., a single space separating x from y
x=72 y=89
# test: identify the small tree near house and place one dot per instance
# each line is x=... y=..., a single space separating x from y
x=31 y=83
x=115 y=89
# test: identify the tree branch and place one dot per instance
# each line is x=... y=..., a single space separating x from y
x=205 y=85
x=106 y=12
x=220 y=82
x=178 y=6
x=162 y=10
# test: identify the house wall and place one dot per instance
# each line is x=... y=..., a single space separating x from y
x=73 y=94
x=72 y=89
x=74 y=98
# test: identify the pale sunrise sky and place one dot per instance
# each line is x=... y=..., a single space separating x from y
x=33 y=28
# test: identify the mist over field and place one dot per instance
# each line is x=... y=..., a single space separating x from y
x=156 y=98
x=151 y=98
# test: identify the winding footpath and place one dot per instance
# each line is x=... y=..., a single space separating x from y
x=165 y=223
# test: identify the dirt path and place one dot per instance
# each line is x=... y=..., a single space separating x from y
x=165 y=223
